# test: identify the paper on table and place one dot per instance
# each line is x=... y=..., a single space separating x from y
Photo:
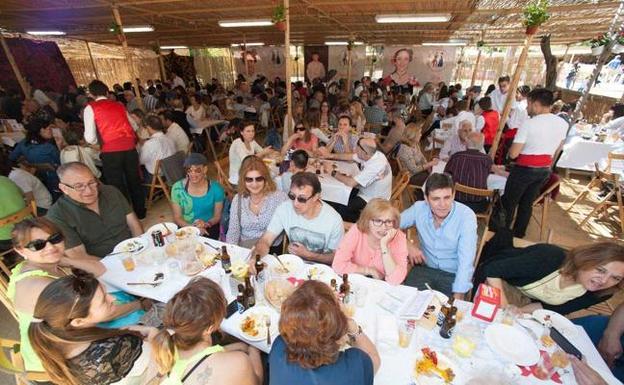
x=405 y=304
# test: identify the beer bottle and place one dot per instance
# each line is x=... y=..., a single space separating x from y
x=345 y=287
x=226 y=263
x=446 y=331
x=445 y=310
x=249 y=293
x=240 y=298
x=333 y=284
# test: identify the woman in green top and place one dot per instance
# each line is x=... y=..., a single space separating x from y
x=196 y=200
x=184 y=348
x=41 y=245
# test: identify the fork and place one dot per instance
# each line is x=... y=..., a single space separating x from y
x=267 y=322
x=152 y=284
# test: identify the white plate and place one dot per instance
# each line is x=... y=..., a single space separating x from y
x=512 y=343
x=189 y=231
x=160 y=226
x=319 y=272
x=293 y=263
x=259 y=313
x=443 y=363
x=132 y=245
x=561 y=323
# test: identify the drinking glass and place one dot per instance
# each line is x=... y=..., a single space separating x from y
x=544 y=368
x=406 y=330
x=127 y=261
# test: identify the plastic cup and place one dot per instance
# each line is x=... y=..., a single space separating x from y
x=360 y=293
x=406 y=330
x=128 y=262
x=173 y=267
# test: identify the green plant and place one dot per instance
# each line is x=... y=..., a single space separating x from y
x=279 y=14
x=619 y=38
x=600 y=40
x=480 y=43
x=536 y=13
x=114 y=28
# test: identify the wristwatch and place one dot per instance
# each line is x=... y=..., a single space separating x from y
x=333 y=173
x=353 y=336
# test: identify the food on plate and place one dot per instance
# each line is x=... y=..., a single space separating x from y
x=429 y=366
x=279 y=269
x=547 y=341
x=249 y=326
x=191 y=268
x=316 y=273
x=185 y=232
x=277 y=290
x=208 y=259
x=240 y=269
x=132 y=246
x=173 y=249
x=559 y=359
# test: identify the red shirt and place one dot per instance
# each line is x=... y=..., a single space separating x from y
x=114 y=130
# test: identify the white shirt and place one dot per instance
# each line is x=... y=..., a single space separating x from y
x=30 y=183
x=518 y=114
x=41 y=98
x=90 y=130
x=498 y=100
x=84 y=155
x=177 y=81
x=178 y=136
x=238 y=152
x=375 y=178
x=465 y=115
x=197 y=115
x=542 y=134
x=157 y=147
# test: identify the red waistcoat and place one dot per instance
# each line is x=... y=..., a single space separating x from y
x=491 y=126
x=114 y=130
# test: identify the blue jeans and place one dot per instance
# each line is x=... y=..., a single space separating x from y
x=439 y=280
x=595 y=326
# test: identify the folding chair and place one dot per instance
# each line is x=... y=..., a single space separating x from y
x=399 y=184
x=5 y=272
x=172 y=169
x=411 y=189
x=490 y=195
x=614 y=156
x=27 y=212
x=550 y=190
x=13 y=364
x=610 y=182
x=223 y=166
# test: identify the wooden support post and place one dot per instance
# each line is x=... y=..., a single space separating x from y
x=511 y=56
x=490 y=65
x=349 y=56
x=124 y=44
x=511 y=94
x=562 y=60
x=97 y=76
x=161 y=64
x=288 y=119
x=606 y=52
x=457 y=75
x=25 y=87
x=475 y=68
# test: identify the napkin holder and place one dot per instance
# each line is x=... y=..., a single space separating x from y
x=486 y=303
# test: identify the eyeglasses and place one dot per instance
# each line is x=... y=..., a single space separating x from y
x=378 y=222
x=299 y=129
x=299 y=198
x=80 y=287
x=198 y=170
x=257 y=179
x=362 y=148
x=40 y=244
x=80 y=187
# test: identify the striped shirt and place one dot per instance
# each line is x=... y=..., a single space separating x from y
x=470 y=168
x=150 y=102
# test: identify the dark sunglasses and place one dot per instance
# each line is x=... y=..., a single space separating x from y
x=299 y=129
x=40 y=244
x=257 y=179
x=299 y=199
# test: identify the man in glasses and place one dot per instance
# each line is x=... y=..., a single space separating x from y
x=373 y=181
x=93 y=217
x=314 y=229
x=447 y=234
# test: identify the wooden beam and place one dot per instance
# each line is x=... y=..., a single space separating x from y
x=124 y=44
x=288 y=118
x=25 y=87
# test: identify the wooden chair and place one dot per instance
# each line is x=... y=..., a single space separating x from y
x=5 y=272
x=611 y=157
x=223 y=166
x=399 y=184
x=13 y=364
x=28 y=211
x=548 y=194
x=411 y=189
x=490 y=195
x=157 y=185
x=610 y=182
x=172 y=170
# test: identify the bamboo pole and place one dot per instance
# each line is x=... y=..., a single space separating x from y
x=474 y=69
x=511 y=94
x=599 y=63
x=25 y=87
x=460 y=62
x=560 y=65
x=349 y=49
x=161 y=63
x=490 y=66
x=288 y=120
x=124 y=44
x=97 y=76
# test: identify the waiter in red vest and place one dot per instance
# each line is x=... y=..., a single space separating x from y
x=107 y=123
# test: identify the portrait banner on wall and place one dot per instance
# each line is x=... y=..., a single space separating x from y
x=267 y=61
x=338 y=61
x=316 y=61
x=414 y=65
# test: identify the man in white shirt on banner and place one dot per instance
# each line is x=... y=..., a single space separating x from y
x=534 y=147
x=499 y=95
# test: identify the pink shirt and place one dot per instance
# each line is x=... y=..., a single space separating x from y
x=355 y=251
x=299 y=144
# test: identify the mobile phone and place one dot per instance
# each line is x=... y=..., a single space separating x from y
x=232 y=308
x=564 y=343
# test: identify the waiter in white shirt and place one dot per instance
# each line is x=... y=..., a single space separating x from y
x=499 y=95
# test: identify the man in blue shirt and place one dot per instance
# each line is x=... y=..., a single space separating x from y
x=447 y=233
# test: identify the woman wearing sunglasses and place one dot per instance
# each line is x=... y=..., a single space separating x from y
x=374 y=246
x=74 y=350
x=302 y=139
x=253 y=207
x=41 y=245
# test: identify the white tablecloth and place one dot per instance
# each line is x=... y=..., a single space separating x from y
x=581 y=154
x=396 y=363
x=494 y=182
x=334 y=190
x=204 y=124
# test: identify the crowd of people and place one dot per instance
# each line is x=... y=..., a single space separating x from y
x=89 y=152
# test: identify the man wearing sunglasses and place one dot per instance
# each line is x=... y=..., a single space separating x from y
x=314 y=229
x=93 y=217
x=373 y=181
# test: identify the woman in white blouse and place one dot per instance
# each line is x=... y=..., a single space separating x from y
x=243 y=147
x=196 y=111
x=254 y=205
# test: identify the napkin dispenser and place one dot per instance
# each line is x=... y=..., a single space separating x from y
x=486 y=303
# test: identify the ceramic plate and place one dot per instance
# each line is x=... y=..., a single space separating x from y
x=513 y=344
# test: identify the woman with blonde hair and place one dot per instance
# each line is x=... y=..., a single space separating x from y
x=357 y=115
x=411 y=157
x=313 y=330
x=184 y=348
x=374 y=246
x=254 y=204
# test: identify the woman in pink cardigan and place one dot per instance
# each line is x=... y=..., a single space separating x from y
x=374 y=246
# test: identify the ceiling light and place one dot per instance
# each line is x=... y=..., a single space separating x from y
x=245 y=23
x=446 y=43
x=343 y=43
x=42 y=33
x=173 y=47
x=138 y=28
x=414 y=18
x=248 y=44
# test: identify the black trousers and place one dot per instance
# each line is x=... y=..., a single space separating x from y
x=121 y=169
x=351 y=212
x=522 y=188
